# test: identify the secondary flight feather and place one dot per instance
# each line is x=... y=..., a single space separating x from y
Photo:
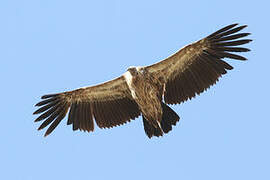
x=147 y=90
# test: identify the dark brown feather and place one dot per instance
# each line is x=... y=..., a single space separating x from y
x=71 y=114
x=232 y=56
x=231 y=49
x=83 y=117
x=232 y=37
x=57 y=120
x=87 y=114
x=191 y=90
x=232 y=31
x=196 y=78
x=226 y=65
x=49 y=96
x=214 y=73
x=206 y=72
x=41 y=103
x=90 y=119
x=97 y=115
x=52 y=117
x=200 y=76
x=47 y=113
x=46 y=107
x=222 y=30
x=79 y=114
x=118 y=117
x=233 y=43
x=109 y=114
x=76 y=124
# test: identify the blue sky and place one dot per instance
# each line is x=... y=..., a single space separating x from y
x=52 y=46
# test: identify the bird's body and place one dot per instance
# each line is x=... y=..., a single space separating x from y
x=147 y=90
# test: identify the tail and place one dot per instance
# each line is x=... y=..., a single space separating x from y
x=169 y=118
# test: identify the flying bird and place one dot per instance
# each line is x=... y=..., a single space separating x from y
x=147 y=90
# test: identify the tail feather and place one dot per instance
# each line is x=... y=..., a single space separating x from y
x=150 y=130
x=169 y=118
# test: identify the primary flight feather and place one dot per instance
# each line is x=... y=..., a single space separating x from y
x=147 y=90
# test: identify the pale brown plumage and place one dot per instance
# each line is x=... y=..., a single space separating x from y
x=180 y=77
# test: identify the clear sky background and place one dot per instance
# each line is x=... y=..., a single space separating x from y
x=49 y=46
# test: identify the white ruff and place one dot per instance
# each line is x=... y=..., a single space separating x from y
x=128 y=78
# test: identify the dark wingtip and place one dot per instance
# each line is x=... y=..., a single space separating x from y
x=244 y=26
x=36 y=112
x=226 y=28
x=231 y=26
x=36 y=120
x=248 y=41
x=247 y=50
x=243 y=58
x=234 y=24
x=49 y=96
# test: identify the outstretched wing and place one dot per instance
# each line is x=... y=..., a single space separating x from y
x=110 y=104
x=197 y=66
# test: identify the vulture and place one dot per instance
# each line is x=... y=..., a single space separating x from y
x=147 y=90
